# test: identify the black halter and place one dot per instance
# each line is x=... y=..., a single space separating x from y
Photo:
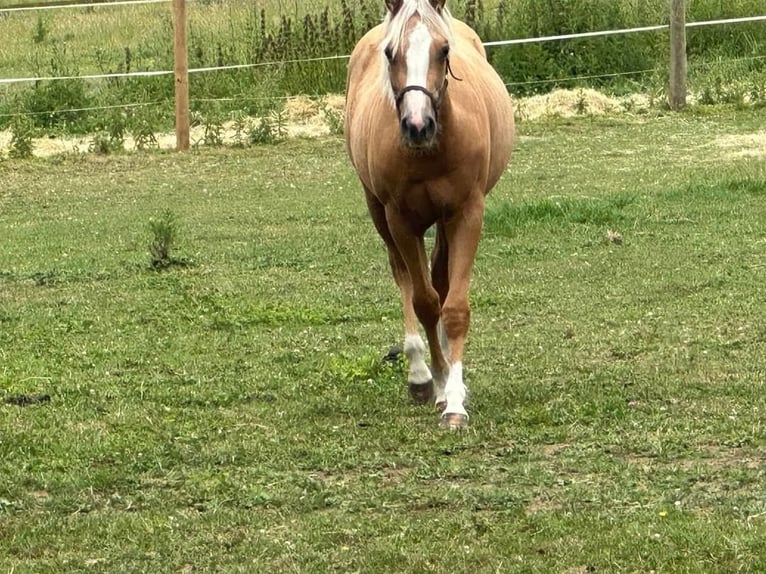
x=436 y=98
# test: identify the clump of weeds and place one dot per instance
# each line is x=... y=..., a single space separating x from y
x=164 y=231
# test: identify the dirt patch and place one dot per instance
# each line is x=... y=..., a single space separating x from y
x=542 y=503
x=552 y=450
x=27 y=400
x=714 y=458
x=736 y=146
x=388 y=476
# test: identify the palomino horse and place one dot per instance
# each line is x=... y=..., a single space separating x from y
x=428 y=154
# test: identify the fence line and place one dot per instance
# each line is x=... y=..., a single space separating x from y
x=623 y=31
x=727 y=21
x=88 y=109
x=150 y=73
x=345 y=57
x=287 y=97
x=576 y=36
x=576 y=78
x=81 y=5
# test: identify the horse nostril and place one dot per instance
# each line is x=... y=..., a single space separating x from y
x=430 y=127
x=418 y=132
x=409 y=129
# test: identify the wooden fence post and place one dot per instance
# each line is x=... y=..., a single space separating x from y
x=677 y=95
x=181 y=75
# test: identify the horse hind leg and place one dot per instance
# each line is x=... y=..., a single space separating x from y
x=440 y=281
x=419 y=378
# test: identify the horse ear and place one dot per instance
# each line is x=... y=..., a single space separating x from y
x=393 y=6
x=438 y=5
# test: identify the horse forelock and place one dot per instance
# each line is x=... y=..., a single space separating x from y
x=396 y=29
x=396 y=25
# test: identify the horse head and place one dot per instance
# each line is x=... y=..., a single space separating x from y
x=416 y=48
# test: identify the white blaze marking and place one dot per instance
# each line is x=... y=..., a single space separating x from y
x=418 y=58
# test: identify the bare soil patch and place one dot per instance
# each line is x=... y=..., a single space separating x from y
x=736 y=146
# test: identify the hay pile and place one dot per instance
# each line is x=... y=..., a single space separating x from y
x=308 y=117
x=571 y=103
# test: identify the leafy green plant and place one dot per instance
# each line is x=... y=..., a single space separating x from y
x=213 y=134
x=116 y=126
x=240 y=127
x=41 y=31
x=58 y=103
x=269 y=129
x=143 y=135
x=22 y=132
x=279 y=122
x=104 y=143
x=334 y=120
x=581 y=106
x=262 y=132
x=100 y=144
x=164 y=231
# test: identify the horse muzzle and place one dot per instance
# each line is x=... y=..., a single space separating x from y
x=419 y=132
x=419 y=125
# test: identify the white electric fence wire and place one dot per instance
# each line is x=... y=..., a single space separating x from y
x=345 y=57
x=80 y=5
x=151 y=73
x=624 y=31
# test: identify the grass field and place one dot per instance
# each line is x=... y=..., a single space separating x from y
x=233 y=413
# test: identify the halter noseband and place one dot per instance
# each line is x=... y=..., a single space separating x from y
x=436 y=100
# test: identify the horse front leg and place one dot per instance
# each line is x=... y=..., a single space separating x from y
x=462 y=233
x=425 y=299
x=419 y=379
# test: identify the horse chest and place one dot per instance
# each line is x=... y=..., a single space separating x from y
x=422 y=183
x=423 y=202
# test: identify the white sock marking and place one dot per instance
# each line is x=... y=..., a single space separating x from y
x=415 y=351
x=455 y=390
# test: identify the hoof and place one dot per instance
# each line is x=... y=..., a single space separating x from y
x=423 y=393
x=454 y=421
x=441 y=405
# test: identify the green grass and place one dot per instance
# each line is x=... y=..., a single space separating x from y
x=233 y=414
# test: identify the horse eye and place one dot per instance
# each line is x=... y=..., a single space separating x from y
x=389 y=53
x=445 y=52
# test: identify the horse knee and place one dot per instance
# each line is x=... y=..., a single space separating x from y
x=456 y=319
